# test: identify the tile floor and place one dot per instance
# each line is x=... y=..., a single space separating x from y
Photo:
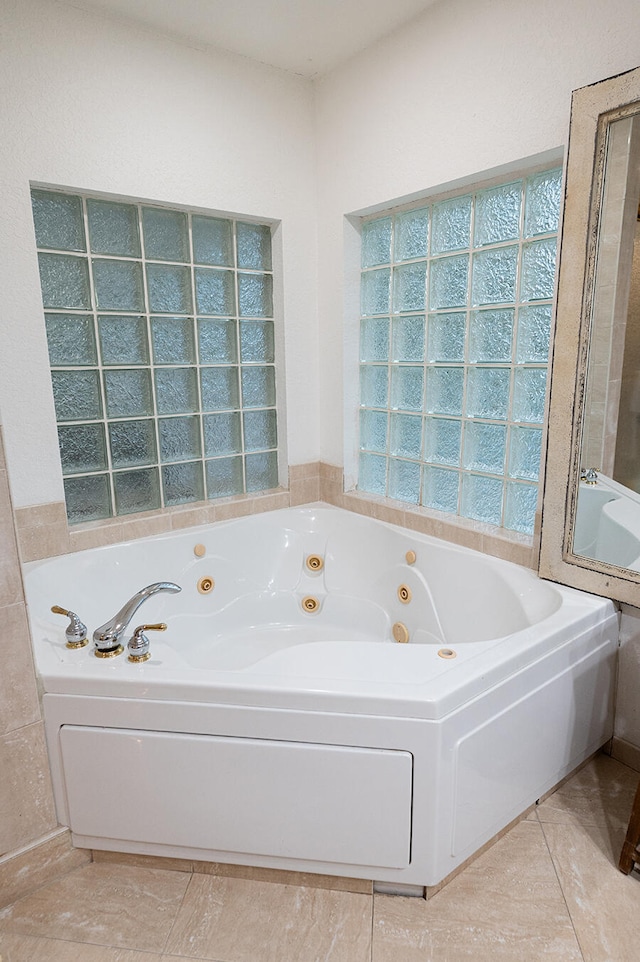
x=548 y=890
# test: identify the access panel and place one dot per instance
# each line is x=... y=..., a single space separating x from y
x=254 y=796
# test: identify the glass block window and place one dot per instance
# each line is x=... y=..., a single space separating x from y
x=454 y=343
x=161 y=342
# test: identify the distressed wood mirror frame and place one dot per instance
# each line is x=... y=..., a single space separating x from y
x=593 y=109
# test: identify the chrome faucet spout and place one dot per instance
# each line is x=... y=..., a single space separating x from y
x=107 y=637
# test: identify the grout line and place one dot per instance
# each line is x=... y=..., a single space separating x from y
x=564 y=897
x=373 y=910
x=178 y=910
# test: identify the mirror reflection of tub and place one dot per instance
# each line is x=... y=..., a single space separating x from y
x=607 y=524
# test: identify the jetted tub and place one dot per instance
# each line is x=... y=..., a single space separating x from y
x=608 y=523
x=261 y=732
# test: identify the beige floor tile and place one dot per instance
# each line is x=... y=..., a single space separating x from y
x=603 y=903
x=24 y=948
x=601 y=793
x=238 y=920
x=118 y=905
x=507 y=906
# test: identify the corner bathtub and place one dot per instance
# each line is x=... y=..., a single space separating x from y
x=263 y=734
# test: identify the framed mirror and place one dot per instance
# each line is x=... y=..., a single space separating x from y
x=591 y=504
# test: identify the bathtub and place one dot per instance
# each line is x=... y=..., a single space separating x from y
x=332 y=694
x=608 y=523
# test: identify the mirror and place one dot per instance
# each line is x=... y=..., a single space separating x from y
x=591 y=525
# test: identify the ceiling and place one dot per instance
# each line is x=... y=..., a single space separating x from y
x=308 y=37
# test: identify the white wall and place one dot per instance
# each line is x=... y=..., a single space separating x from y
x=93 y=104
x=471 y=86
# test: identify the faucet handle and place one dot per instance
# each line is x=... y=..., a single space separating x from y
x=590 y=476
x=76 y=633
x=138 y=646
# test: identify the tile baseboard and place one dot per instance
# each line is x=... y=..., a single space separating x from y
x=35 y=865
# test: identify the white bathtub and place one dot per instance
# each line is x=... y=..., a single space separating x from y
x=608 y=523
x=261 y=734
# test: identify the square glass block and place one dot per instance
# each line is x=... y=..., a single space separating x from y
x=488 y=392
x=224 y=477
x=71 y=340
x=445 y=387
x=374 y=385
x=64 y=281
x=219 y=387
x=123 y=339
x=411 y=234
x=179 y=438
x=260 y=430
x=407 y=385
x=491 y=335
x=448 y=282
x=408 y=338
x=542 y=205
x=485 y=447
x=182 y=483
x=176 y=390
x=494 y=276
x=166 y=235
x=520 y=507
x=215 y=291
x=442 y=440
x=76 y=395
x=258 y=387
x=118 y=285
x=409 y=287
x=525 y=451
x=498 y=214
x=375 y=288
x=257 y=342
x=376 y=242
x=217 y=342
x=212 y=241
x=261 y=471
x=440 y=489
x=58 y=220
x=446 y=336
x=374 y=339
x=255 y=295
x=404 y=481
x=222 y=434
x=82 y=448
x=534 y=332
x=253 y=243
x=128 y=393
x=529 y=394
x=451 y=225
x=88 y=499
x=136 y=490
x=373 y=431
x=538 y=270
x=481 y=498
x=132 y=443
x=372 y=474
x=406 y=435
x=169 y=289
x=113 y=228
x=172 y=340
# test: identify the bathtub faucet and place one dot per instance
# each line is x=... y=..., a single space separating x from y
x=107 y=638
